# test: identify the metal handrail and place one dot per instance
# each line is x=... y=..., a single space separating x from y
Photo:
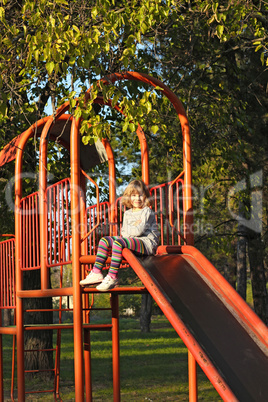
x=97 y=205
x=170 y=205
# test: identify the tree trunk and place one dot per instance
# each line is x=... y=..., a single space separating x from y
x=241 y=275
x=146 y=312
x=6 y=318
x=258 y=280
x=229 y=273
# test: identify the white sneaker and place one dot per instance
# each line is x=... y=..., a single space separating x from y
x=92 y=279
x=107 y=283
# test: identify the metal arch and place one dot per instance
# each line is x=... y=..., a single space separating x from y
x=187 y=158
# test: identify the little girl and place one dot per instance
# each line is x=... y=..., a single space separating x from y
x=139 y=233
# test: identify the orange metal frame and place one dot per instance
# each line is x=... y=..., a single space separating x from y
x=36 y=226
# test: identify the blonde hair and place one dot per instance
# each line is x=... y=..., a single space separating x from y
x=134 y=187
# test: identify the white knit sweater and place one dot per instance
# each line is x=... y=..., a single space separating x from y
x=142 y=224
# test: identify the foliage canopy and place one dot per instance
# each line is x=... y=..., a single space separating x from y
x=213 y=55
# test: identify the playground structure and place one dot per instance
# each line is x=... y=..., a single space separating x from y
x=54 y=227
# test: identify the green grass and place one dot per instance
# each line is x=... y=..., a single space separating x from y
x=153 y=366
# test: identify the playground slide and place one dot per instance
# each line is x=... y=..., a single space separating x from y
x=227 y=339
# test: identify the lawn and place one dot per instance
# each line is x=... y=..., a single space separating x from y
x=153 y=366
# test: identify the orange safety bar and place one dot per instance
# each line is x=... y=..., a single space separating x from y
x=7 y=274
x=171 y=204
x=58 y=223
x=103 y=228
x=97 y=206
x=30 y=251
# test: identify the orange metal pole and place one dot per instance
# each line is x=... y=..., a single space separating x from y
x=83 y=227
x=115 y=346
x=144 y=156
x=1 y=366
x=85 y=301
x=19 y=282
x=13 y=366
x=77 y=295
x=42 y=195
x=87 y=353
x=192 y=373
x=23 y=138
x=112 y=185
x=42 y=203
x=30 y=132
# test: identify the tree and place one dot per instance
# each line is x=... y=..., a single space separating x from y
x=205 y=51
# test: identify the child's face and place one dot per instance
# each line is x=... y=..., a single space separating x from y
x=137 y=200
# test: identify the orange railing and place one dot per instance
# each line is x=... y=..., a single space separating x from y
x=167 y=204
x=177 y=207
x=30 y=232
x=7 y=274
x=97 y=208
x=103 y=228
x=59 y=236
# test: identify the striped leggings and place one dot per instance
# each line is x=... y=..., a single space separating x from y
x=116 y=243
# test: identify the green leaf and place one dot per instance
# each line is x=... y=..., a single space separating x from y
x=220 y=29
x=125 y=126
x=116 y=98
x=36 y=55
x=94 y=12
x=215 y=7
x=2 y=13
x=96 y=35
x=3 y=108
x=50 y=67
x=154 y=129
x=75 y=28
x=132 y=127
